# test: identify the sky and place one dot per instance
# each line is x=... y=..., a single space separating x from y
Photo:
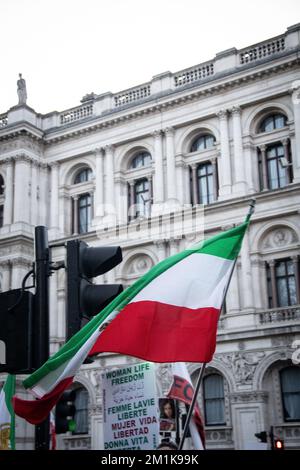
x=68 y=48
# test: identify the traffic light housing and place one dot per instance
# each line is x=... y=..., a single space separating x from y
x=65 y=412
x=262 y=436
x=278 y=444
x=85 y=299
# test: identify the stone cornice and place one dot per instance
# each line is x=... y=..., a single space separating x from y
x=173 y=99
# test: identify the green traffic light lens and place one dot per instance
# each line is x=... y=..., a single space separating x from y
x=72 y=425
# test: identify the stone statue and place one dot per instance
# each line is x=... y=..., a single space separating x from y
x=22 y=93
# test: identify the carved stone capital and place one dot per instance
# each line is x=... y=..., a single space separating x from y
x=157 y=133
x=98 y=152
x=54 y=165
x=236 y=110
x=262 y=148
x=222 y=114
x=109 y=149
x=169 y=131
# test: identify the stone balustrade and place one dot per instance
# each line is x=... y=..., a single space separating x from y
x=3 y=120
x=262 y=50
x=279 y=315
x=194 y=74
x=225 y=62
x=76 y=114
x=131 y=95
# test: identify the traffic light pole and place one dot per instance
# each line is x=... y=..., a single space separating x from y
x=42 y=266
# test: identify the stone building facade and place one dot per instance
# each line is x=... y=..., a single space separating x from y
x=216 y=135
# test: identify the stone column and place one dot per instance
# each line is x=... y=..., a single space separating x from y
x=257 y=282
x=171 y=170
x=273 y=283
x=5 y=268
x=296 y=107
x=160 y=247
x=215 y=177
x=239 y=162
x=109 y=163
x=54 y=199
x=159 y=169
x=99 y=193
x=194 y=184
x=180 y=169
x=232 y=297
x=173 y=246
x=34 y=201
x=21 y=189
x=246 y=274
x=225 y=170
x=75 y=215
x=9 y=191
x=297 y=277
x=264 y=168
x=249 y=162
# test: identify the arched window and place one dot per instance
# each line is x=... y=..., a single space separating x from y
x=84 y=213
x=83 y=175
x=290 y=392
x=140 y=160
x=142 y=197
x=81 y=415
x=202 y=142
x=272 y=122
x=284 y=292
x=213 y=394
x=1 y=185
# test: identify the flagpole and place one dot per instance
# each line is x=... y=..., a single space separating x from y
x=192 y=405
x=201 y=373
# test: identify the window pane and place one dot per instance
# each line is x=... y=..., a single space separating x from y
x=81 y=415
x=282 y=292
x=83 y=176
x=203 y=190
x=142 y=159
x=272 y=174
x=275 y=121
x=290 y=267
x=210 y=188
x=292 y=291
x=214 y=399
x=202 y=142
x=280 y=268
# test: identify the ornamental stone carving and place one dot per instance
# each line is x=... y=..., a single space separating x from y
x=140 y=264
x=278 y=238
x=249 y=397
x=243 y=365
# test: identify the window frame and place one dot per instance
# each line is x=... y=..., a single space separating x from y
x=282 y=393
x=87 y=171
x=88 y=211
x=272 y=116
x=205 y=400
x=205 y=138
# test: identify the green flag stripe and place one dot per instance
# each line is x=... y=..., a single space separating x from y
x=226 y=245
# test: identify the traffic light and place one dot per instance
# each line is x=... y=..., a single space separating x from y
x=65 y=412
x=85 y=299
x=278 y=444
x=262 y=436
x=17 y=332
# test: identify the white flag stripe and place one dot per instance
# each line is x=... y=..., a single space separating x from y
x=197 y=281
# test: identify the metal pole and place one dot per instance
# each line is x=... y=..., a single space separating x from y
x=192 y=405
x=42 y=265
x=201 y=373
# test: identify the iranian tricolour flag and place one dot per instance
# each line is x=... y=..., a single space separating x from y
x=7 y=415
x=169 y=315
